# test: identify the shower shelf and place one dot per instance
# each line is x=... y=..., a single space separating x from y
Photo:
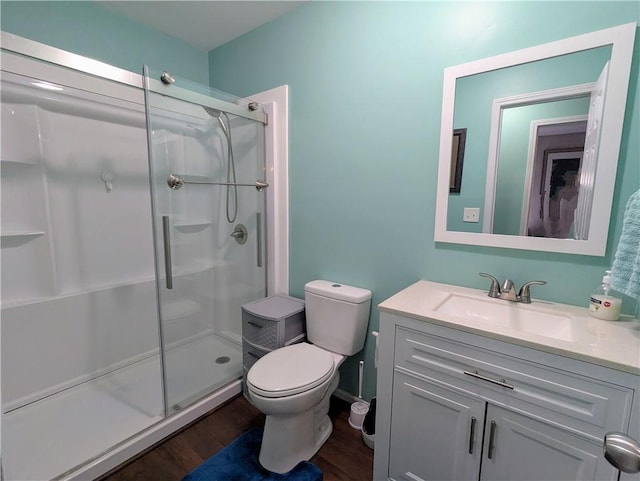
x=9 y=303
x=190 y=227
x=8 y=166
x=16 y=163
x=60 y=294
x=14 y=239
x=182 y=271
x=198 y=267
x=179 y=309
x=22 y=234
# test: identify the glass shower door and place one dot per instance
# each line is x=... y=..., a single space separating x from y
x=209 y=226
x=81 y=368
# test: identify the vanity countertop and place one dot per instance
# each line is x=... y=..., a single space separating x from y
x=614 y=344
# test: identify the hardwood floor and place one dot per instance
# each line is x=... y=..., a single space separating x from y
x=344 y=457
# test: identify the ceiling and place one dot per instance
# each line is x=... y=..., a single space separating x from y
x=203 y=24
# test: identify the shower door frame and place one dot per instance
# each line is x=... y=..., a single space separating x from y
x=275 y=102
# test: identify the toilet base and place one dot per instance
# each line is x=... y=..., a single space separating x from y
x=290 y=439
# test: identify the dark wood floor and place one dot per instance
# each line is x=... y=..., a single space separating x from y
x=344 y=457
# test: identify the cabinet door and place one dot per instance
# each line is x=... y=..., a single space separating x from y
x=519 y=448
x=436 y=434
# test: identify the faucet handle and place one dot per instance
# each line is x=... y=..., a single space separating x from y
x=524 y=295
x=494 y=290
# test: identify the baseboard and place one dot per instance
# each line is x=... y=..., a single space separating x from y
x=345 y=396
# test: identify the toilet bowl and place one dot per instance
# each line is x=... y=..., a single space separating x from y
x=292 y=385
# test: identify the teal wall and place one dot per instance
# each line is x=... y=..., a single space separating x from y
x=474 y=99
x=91 y=30
x=365 y=84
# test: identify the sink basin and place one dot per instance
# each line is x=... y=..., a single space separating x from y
x=496 y=312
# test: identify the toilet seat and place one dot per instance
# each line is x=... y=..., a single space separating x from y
x=290 y=370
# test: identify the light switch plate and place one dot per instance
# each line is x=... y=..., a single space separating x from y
x=471 y=214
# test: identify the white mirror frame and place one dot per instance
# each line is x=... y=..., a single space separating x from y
x=621 y=38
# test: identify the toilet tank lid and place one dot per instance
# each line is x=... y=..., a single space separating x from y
x=335 y=290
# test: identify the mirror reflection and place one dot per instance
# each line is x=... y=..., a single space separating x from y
x=531 y=146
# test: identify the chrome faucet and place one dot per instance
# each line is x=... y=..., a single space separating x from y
x=508 y=290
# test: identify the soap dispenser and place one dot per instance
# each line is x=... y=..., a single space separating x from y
x=603 y=304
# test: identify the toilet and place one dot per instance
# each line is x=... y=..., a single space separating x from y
x=292 y=385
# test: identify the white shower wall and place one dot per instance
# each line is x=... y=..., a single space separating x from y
x=78 y=290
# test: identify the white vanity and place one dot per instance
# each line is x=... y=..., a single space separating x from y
x=471 y=387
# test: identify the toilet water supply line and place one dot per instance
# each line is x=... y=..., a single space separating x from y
x=376 y=334
x=360 y=374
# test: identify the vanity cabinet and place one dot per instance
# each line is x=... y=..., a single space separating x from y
x=455 y=405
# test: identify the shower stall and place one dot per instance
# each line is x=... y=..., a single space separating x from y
x=133 y=229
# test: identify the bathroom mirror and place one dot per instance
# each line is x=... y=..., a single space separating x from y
x=543 y=128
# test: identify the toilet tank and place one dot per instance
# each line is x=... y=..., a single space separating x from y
x=337 y=316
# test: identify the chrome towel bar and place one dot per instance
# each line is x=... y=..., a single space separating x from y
x=175 y=182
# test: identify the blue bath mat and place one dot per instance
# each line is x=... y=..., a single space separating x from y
x=239 y=462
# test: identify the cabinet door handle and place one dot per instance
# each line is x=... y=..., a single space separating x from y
x=254 y=324
x=253 y=354
x=500 y=382
x=472 y=434
x=492 y=435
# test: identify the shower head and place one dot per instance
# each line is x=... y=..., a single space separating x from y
x=221 y=116
x=225 y=125
x=211 y=111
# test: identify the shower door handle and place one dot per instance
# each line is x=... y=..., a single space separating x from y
x=166 y=226
x=259 y=238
